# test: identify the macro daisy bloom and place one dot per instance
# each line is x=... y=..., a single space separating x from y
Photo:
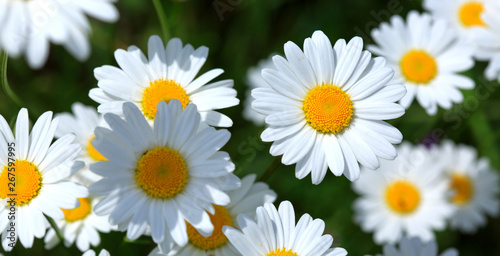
x=463 y=16
x=103 y=252
x=275 y=233
x=426 y=55
x=254 y=80
x=82 y=123
x=168 y=73
x=162 y=177
x=244 y=200
x=29 y=26
x=473 y=183
x=406 y=196
x=33 y=178
x=415 y=247
x=325 y=108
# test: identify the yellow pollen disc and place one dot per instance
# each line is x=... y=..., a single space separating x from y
x=80 y=212
x=159 y=90
x=93 y=153
x=161 y=173
x=27 y=183
x=470 y=14
x=418 y=66
x=463 y=188
x=217 y=239
x=282 y=252
x=328 y=109
x=402 y=197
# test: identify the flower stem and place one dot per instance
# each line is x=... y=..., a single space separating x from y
x=5 y=84
x=163 y=19
x=270 y=170
x=58 y=234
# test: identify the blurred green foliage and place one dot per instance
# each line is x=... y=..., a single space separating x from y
x=249 y=31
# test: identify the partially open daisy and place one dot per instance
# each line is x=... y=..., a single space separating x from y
x=326 y=105
x=82 y=123
x=427 y=56
x=168 y=73
x=29 y=26
x=37 y=171
x=414 y=246
x=244 y=200
x=254 y=80
x=461 y=15
x=275 y=233
x=162 y=177
x=473 y=184
x=405 y=196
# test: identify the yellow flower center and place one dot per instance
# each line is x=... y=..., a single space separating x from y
x=23 y=182
x=402 y=197
x=282 y=252
x=159 y=90
x=217 y=239
x=93 y=153
x=80 y=212
x=470 y=14
x=161 y=173
x=328 y=109
x=418 y=66
x=463 y=188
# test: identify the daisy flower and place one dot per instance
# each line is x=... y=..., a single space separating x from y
x=82 y=123
x=29 y=26
x=461 y=15
x=33 y=176
x=243 y=201
x=254 y=80
x=405 y=196
x=163 y=176
x=168 y=73
x=473 y=183
x=275 y=233
x=103 y=252
x=326 y=105
x=415 y=247
x=426 y=55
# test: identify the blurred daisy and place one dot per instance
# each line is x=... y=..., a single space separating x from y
x=275 y=233
x=40 y=170
x=461 y=15
x=405 y=196
x=415 y=247
x=103 y=252
x=163 y=176
x=244 y=200
x=474 y=185
x=326 y=105
x=168 y=74
x=82 y=123
x=255 y=80
x=29 y=26
x=426 y=55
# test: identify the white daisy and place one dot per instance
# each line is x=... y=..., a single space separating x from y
x=103 y=252
x=275 y=233
x=326 y=105
x=405 y=196
x=82 y=123
x=29 y=26
x=163 y=176
x=426 y=55
x=474 y=185
x=34 y=174
x=244 y=200
x=461 y=15
x=415 y=247
x=255 y=80
x=168 y=74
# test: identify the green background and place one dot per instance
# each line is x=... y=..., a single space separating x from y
x=249 y=31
